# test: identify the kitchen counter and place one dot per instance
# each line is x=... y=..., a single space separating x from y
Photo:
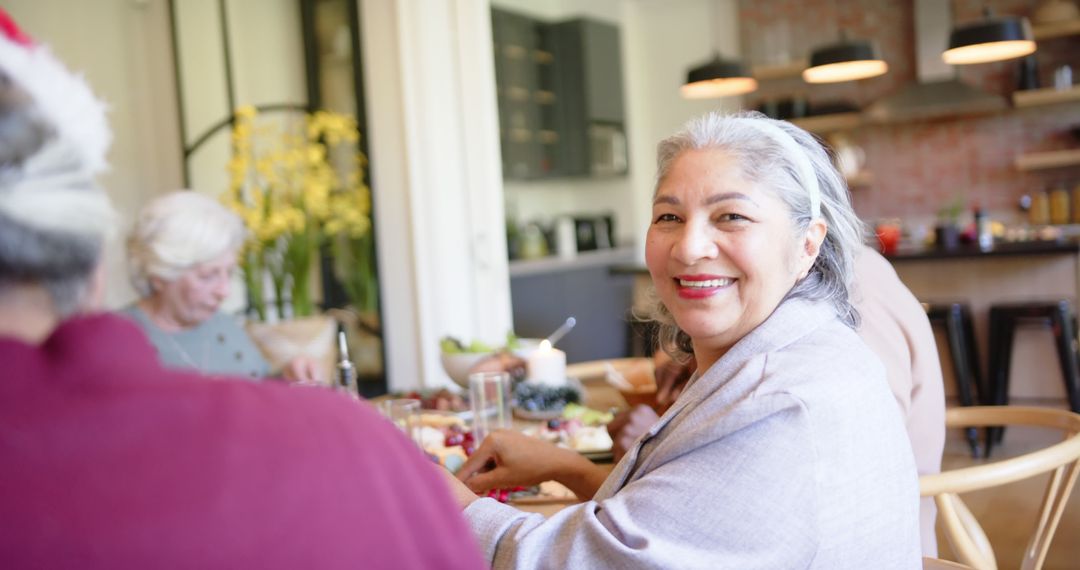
x=583 y=259
x=967 y=251
x=1024 y=248
x=544 y=292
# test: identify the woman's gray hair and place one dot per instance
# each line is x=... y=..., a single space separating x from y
x=764 y=150
x=176 y=232
x=33 y=251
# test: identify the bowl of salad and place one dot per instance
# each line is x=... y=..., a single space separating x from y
x=458 y=358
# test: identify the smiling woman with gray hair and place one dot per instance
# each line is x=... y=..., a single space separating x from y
x=786 y=449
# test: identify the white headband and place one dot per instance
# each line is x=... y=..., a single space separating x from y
x=804 y=170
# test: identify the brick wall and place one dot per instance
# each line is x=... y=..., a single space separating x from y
x=920 y=166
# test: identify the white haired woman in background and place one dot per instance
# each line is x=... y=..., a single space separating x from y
x=182 y=256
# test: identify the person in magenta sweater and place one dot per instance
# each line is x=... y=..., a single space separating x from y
x=112 y=461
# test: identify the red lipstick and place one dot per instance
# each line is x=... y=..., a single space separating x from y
x=700 y=292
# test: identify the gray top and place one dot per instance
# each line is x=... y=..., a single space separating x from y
x=218 y=346
x=789 y=452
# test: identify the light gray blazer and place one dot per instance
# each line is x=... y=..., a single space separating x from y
x=788 y=453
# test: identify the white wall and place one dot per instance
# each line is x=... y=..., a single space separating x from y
x=267 y=55
x=123 y=49
x=662 y=40
x=435 y=174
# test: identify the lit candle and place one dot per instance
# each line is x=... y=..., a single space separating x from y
x=547 y=365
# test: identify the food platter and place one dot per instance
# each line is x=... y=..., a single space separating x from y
x=542 y=396
x=539 y=416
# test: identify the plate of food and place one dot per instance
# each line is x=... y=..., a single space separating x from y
x=542 y=402
x=579 y=428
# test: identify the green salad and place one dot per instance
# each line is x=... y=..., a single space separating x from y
x=453 y=345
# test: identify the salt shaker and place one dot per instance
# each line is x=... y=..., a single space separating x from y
x=1063 y=78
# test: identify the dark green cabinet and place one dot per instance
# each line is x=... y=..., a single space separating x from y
x=526 y=95
x=560 y=97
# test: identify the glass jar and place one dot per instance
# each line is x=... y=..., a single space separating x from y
x=1039 y=214
x=1059 y=205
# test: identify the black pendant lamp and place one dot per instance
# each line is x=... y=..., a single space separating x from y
x=989 y=39
x=718 y=78
x=846 y=60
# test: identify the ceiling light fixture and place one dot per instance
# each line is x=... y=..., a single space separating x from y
x=846 y=60
x=989 y=39
x=718 y=78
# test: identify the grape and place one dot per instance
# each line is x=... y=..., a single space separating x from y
x=538 y=397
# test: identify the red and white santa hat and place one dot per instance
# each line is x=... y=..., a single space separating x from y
x=54 y=189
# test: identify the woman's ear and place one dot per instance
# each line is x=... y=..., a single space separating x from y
x=156 y=284
x=812 y=240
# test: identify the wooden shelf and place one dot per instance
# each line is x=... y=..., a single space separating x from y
x=1056 y=30
x=513 y=51
x=544 y=97
x=860 y=179
x=782 y=71
x=1049 y=96
x=828 y=123
x=1048 y=159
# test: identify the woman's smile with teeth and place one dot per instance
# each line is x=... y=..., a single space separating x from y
x=705 y=284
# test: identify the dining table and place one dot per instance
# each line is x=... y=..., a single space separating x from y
x=599 y=395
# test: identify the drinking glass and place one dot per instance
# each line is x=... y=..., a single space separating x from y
x=489 y=398
x=405 y=414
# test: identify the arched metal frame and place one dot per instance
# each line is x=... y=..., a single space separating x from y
x=333 y=294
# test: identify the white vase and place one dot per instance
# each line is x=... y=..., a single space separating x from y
x=313 y=337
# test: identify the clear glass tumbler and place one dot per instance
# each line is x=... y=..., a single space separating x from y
x=489 y=399
x=405 y=414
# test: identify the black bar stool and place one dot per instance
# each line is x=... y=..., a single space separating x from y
x=956 y=318
x=1003 y=320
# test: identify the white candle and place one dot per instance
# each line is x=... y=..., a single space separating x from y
x=547 y=365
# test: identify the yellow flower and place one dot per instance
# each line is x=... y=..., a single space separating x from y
x=296 y=187
x=246 y=112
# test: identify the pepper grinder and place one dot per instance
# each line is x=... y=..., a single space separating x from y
x=345 y=370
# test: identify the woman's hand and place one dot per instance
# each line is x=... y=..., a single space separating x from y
x=302 y=369
x=509 y=459
x=628 y=426
x=671 y=378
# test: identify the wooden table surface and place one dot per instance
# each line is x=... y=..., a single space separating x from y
x=599 y=395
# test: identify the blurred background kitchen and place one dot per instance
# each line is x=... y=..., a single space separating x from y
x=510 y=146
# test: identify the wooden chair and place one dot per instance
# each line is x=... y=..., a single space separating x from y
x=963 y=532
x=939 y=564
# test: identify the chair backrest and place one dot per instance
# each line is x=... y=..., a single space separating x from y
x=963 y=532
x=939 y=564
